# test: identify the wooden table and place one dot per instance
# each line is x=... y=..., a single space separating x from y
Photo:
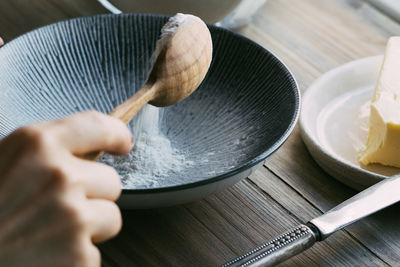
x=311 y=37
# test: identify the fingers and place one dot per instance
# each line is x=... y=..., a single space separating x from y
x=1 y=42
x=89 y=254
x=58 y=191
x=92 y=131
x=94 y=256
x=101 y=185
x=98 y=180
x=106 y=220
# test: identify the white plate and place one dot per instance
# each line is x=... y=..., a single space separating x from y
x=334 y=122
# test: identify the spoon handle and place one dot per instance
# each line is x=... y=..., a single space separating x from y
x=126 y=111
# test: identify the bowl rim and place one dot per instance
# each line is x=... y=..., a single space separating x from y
x=295 y=116
x=110 y=7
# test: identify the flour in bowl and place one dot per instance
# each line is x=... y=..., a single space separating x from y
x=153 y=159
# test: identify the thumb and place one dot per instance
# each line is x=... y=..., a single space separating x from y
x=1 y=42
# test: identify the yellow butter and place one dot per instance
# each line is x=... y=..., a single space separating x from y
x=383 y=144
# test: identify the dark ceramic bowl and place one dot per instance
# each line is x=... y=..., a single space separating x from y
x=243 y=111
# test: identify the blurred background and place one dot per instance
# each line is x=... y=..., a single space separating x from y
x=16 y=13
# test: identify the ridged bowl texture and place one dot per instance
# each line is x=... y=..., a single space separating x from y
x=243 y=111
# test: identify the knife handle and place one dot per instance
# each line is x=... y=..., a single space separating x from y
x=279 y=249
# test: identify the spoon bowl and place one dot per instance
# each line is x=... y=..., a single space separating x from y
x=182 y=63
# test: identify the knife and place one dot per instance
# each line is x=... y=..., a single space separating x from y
x=302 y=237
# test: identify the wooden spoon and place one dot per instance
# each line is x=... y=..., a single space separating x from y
x=182 y=59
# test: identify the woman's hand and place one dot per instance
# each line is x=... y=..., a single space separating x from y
x=1 y=42
x=53 y=204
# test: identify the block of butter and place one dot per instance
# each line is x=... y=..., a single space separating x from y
x=383 y=144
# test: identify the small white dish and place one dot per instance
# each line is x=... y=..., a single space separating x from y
x=334 y=122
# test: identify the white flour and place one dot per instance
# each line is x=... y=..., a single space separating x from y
x=152 y=159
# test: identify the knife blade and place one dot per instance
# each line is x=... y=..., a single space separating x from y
x=285 y=246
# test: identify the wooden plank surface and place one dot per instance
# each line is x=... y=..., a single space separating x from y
x=344 y=31
x=311 y=37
